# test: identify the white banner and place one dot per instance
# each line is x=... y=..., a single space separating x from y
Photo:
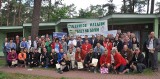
x=112 y=32
x=88 y=28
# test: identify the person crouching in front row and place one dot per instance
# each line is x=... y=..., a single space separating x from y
x=63 y=62
x=119 y=61
x=34 y=58
x=137 y=63
x=53 y=58
x=88 y=61
x=12 y=58
x=44 y=58
x=105 y=62
x=22 y=58
x=71 y=58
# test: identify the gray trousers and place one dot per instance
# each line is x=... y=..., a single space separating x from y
x=154 y=60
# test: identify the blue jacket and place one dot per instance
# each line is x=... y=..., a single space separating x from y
x=23 y=44
x=101 y=49
x=9 y=46
x=60 y=56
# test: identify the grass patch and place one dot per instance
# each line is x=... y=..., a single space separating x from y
x=4 y=75
x=2 y=62
x=148 y=72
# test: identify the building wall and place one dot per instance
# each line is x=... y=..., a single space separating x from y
x=2 y=37
x=27 y=32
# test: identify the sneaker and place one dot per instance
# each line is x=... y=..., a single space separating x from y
x=60 y=72
x=46 y=67
x=95 y=71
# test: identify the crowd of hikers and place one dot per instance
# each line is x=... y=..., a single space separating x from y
x=120 y=54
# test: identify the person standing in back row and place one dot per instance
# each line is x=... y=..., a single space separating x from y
x=152 y=45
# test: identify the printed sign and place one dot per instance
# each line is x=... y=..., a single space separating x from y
x=88 y=28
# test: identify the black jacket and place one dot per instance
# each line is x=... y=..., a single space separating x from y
x=88 y=58
x=139 y=59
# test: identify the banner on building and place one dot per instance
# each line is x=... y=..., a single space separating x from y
x=88 y=28
x=59 y=34
x=111 y=32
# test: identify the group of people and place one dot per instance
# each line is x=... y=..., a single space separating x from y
x=119 y=54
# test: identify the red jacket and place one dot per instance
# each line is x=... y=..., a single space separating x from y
x=53 y=45
x=107 y=45
x=86 y=48
x=78 y=59
x=105 y=59
x=119 y=60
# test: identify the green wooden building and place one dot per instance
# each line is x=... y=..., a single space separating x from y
x=140 y=24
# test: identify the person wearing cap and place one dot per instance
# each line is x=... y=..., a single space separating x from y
x=137 y=63
x=64 y=45
x=119 y=61
x=11 y=57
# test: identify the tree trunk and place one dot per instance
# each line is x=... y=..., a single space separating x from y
x=1 y=12
x=19 y=12
x=0 y=4
x=152 y=6
x=130 y=6
x=14 y=19
x=35 y=19
x=8 y=11
x=133 y=5
x=148 y=3
x=49 y=8
x=124 y=5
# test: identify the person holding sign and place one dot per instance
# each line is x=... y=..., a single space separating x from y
x=12 y=58
x=99 y=50
x=71 y=58
x=63 y=62
x=79 y=57
x=91 y=61
x=153 y=47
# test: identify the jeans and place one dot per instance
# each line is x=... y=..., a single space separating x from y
x=154 y=60
x=140 y=67
x=121 y=68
